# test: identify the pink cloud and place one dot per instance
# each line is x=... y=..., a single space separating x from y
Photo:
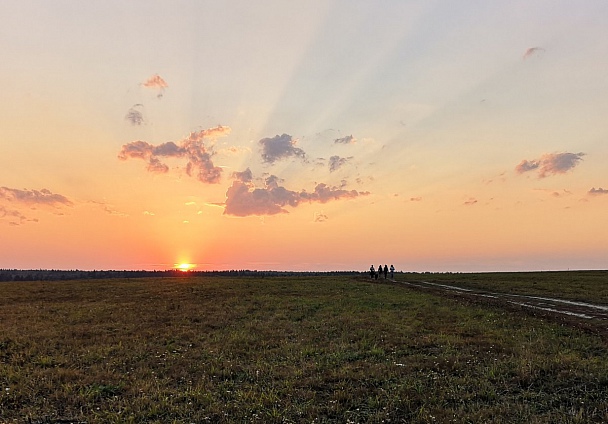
x=244 y=199
x=155 y=81
x=193 y=148
x=550 y=164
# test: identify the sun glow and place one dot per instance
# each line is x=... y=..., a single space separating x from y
x=185 y=267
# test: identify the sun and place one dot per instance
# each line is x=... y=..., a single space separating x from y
x=184 y=267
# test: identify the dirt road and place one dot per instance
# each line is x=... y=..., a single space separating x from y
x=587 y=316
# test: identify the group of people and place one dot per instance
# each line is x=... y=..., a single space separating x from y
x=375 y=274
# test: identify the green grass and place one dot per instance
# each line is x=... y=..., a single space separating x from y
x=585 y=286
x=322 y=349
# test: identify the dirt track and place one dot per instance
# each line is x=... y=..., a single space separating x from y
x=586 y=316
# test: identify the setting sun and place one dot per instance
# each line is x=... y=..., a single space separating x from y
x=184 y=267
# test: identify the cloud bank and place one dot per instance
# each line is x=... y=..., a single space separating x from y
x=550 y=164
x=193 y=148
x=244 y=199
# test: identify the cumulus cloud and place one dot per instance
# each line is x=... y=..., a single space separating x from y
x=134 y=115
x=349 y=139
x=550 y=164
x=34 y=197
x=335 y=162
x=193 y=148
x=597 y=191
x=244 y=199
x=280 y=147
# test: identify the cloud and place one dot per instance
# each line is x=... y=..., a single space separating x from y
x=244 y=199
x=335 y=162
x=108 y=209
x=349 y=139
x=34 y=197
x=415 y=199
x=597 y=191
x=193 y=148
x=550 y=164
x=470 y=202
x=156 y=81
x=14 y=217
x=320 y=217
x=280 y=147
x=324 y=193
x=134 y=116
x=532 y=51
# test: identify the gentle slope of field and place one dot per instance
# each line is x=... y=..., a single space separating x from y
x=330 y=349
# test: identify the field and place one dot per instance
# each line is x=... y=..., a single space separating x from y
x=291 y=349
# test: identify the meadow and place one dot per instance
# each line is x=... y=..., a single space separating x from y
x=324 y=349
x=584 y=286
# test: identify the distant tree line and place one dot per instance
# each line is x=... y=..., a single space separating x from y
x=61 y=275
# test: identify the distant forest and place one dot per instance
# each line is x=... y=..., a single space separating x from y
x=59 y=275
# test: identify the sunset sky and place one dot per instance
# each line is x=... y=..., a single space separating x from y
x=304 y=135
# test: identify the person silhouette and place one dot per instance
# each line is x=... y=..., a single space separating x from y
x=379 y=270
x=385 y=271
x=372 y=272
x=392 y=271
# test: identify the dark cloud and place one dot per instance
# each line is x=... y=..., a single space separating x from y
x=193 y=148
x=246 y=176
x=597 y=191
x=34 y=197
x=134 y=116
x=550 y=164
x=244 y=199
x=280 y=147
x=336 y=162
x=349 y=139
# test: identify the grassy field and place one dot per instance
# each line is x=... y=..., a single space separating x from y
x=585 y=286
x=285 y=349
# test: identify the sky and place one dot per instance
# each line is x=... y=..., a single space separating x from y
x=304 y=135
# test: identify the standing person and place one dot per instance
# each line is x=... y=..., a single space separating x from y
x=385 y=271
x=380 y=270
x=392 y=271
x=372 y=272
